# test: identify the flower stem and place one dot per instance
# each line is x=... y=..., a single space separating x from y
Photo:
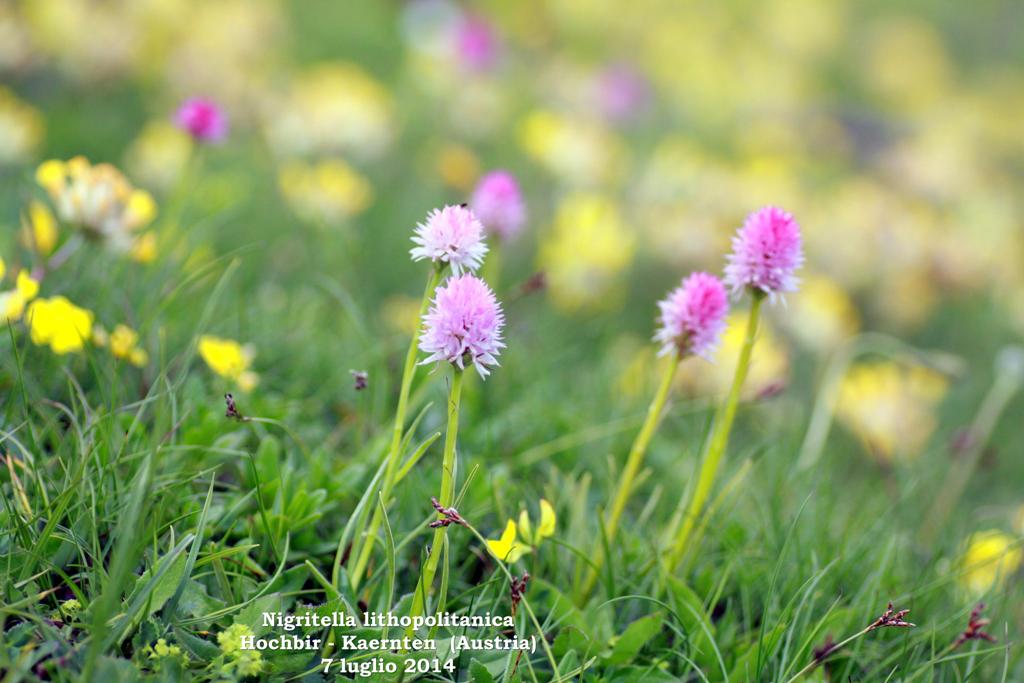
x=394 y=451
x=446 y=498
x=633 y=462
x=719 y=436
x=835 y=648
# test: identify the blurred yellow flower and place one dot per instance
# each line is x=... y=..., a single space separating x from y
x=769 y=364
x=97 y=199
x=123 y=344
x=59 y=323
x=328 y=190
x=401 y=314
x=229 y=359
x=39 y=228
x=821 y=314
x=12 y=303
x=21 y=128
x=545 y=529
x=907 y=63
x=457 y=166
x=989 y=559
x=508 y=548
x=159 y=155
x=890 y=406
x=582 y=152
x=144 y=248
x=333 y=108
x=585 y=252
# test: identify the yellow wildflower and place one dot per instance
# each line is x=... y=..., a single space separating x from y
x=97 y=199
x=3 y=267
x=989 y=559
x=39 y=229
x=457 y=166
x=229 y=359
x=161 y=650
x=821 y=314
x=12 y=303
x=769 y=364
x=329 y=190
x=507 y=548
x=587 y=249
x=401 y=314
x=59 y=323
x=245 y=662
x=21 y=128
x=123 y=344
x=890 y=406
x=160 y=154
x=230 y=639
x=544 y=530
x=144 y=248
x=581 y=151
x=70 y=608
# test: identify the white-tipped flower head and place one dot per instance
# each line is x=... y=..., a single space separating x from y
x=451 y=235
x=464 y=325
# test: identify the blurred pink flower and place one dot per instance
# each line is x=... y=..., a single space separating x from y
x=476 y=43
x=622 y=92
x=451 y=235
x=693 y=316
x=498 y=203
x=203 y=119
x=765 y=253
x=464 y=324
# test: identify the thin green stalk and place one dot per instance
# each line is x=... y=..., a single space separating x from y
x=719 y=436
x=447 y=497
x=815 y=662
x=394 y=451
x=633 y=462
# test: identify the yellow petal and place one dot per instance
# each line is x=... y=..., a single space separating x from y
x=3 y=267
x=507 y=548
x=51 y=174
x=41 y=232
x=526 y=528
x=27 y=286
x=547 y=520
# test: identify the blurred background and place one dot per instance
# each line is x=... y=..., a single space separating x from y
x=641 y=136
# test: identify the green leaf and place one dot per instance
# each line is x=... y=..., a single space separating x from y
x=478 y=673
x=636 y=635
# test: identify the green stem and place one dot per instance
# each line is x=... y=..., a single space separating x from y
x=394 y=451
x=719 y=436
x=633 y=462
x=447 y=498
x=835 y=648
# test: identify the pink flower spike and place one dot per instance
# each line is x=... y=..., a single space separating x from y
x=203 y=119
x=463 y=325
x=451 y=235
x=476 y=43
x=765 y=253
x=693 y=316
x=498 y=203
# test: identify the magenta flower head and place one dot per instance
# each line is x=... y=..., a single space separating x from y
x=693 y=316
x=766 y=252
x=203 y=119
x=498 y=203
x=463 y=324
x=451 y=235
x=476 y=43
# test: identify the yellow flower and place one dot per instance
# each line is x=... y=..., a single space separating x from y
x=581 y=151
x=12 y=303
x=144 y=248
x=457 y=166
x=21 y=128
x=587 y=249
x=59 y=323
x=160 y=154
x=246 y=662
x=544 y=530
x=769 y=364
x=507 y=548
x=97 y=199
x=123 y=343
x=161 y=650
x=3 y=268
x=230 y=639
x=890 y=406
x=401 y=314
x=821 y=314
x=990 y=558
x=229 y=359
x=329 y=190
x=39 y=230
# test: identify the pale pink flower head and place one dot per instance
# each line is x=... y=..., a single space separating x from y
x=693 y=316
x=463 y=324
x=766 y=252
x=452 y=235
x=203 y=119
x=498 y=203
